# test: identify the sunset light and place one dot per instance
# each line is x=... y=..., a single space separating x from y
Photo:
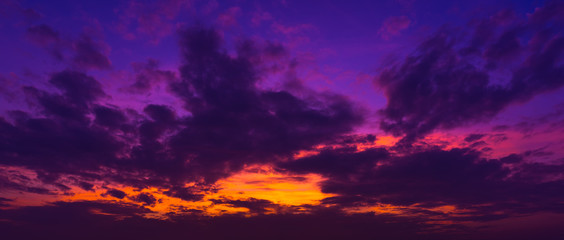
x=284 y=119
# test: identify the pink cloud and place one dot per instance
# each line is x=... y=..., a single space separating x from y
x=287 y=30
x=260 y=16
x=151 y=19
x=393 y=26
x=229 y=17
x=294 y=34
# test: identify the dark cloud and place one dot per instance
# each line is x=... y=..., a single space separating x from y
x=145 y=198
x=435 y=177
x=86 y=186
x=338 y=162
x=87 y=51
x=258 y=206
x=474 y=137
x=77 y=87
x=45 y=36
x=61 y=139
x=89 y=54
x=457 y=176
x=4 y=201
x=275 y=49
x=147 y=74
x=109 y=117
x=10 y=180
x=447 y=82
x=103 y=220
x=551 y=12
x=231 y=123
x=160 y=113
x=186 y=194
x=116 y=193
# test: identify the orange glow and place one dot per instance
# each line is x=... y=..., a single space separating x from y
x=412 y=210
x=262 y=182
x=308 y=153
x=258 y=182
x=381 y=141
x=289 y=192
x=386 y=141
x=376 y=209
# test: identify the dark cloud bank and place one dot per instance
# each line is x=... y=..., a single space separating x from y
x=450 y=80
x=232 y=122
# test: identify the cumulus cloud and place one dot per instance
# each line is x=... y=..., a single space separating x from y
x=435 y=177
x=73 y=139
x=231 y=123
x=147 y=75
x=447 y=82
x=90 y=54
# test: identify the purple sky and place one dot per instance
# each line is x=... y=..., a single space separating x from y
x=400 y=119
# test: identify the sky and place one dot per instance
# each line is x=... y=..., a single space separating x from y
x=193 y=119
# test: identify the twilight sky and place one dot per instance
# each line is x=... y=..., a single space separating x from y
x=193 y=119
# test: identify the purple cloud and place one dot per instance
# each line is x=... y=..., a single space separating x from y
x=392 y=26
x=445 y=85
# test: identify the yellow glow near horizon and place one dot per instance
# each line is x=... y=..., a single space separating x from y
x=264 y=183
x=258 y=182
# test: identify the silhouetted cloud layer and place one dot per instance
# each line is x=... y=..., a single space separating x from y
x=232 y=122
x=449 y=80
x=105 y=163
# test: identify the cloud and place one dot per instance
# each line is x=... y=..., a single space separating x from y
x=14 y=13
x=3 y=201
x=153 y=20
x=474 y=137
x=434 y=177
x=79 y=91
x=77 y=87
x=260 y=16
x=235 y=123
x=255 y=206
x=229 y=17
x=116 y=193
x=145 y=198
x=90 y=54
x=48 y=38
x=75 y=138
x=148 y=74
x=43 y=34
x=62 y=220
x=86 y=52
x=392 y=26
x=103 y=220
x=231 y=122
x=109 y=117
x=448 y=81
x=296 y=34
x=337 y=162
